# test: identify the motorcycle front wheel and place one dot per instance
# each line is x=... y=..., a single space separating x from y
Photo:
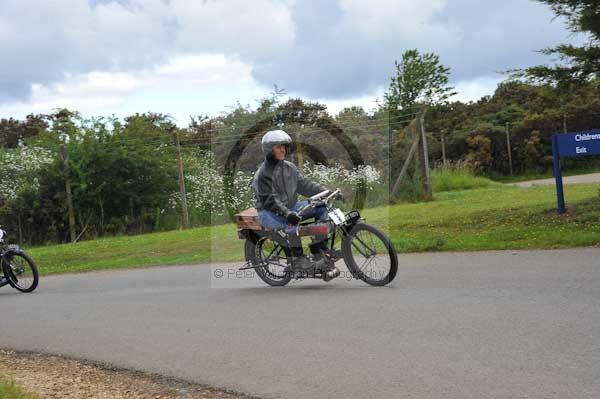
x=20 y=271
x=370 y=255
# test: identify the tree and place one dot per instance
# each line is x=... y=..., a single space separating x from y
x=578 y=64
x=14 y=132
x=420 y=78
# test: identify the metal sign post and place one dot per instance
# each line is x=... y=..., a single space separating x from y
x=579 y=144
x=560 y=196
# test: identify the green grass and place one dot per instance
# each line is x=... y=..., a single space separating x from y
x=174 y=247
x=457 y=179
x=494 y=217
x=9 y=390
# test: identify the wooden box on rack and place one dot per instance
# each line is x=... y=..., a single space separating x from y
x=248 y=219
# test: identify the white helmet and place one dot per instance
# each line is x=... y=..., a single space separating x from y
x=273 y=138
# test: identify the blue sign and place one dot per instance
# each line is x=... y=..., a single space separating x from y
x=580 y=144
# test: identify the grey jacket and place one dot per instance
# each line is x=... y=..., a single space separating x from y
x=276 y=186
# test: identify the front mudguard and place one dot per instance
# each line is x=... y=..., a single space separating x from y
x=7 y=255
x=13 y=249
x=349 y=225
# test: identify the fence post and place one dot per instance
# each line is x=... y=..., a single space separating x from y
x=65 y=157
x=444 y=161
x=184 y=208
x=424 y=156
x=409 y=158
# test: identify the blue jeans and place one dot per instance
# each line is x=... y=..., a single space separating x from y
x=273 y=221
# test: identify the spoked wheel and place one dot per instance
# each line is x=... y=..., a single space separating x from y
x=20 y=271
x=370 y=255
x=265 y=251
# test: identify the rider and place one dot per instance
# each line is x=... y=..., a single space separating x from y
x=276 y=186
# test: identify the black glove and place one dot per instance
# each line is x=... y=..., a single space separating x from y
x=339 y=197
x=293 y=218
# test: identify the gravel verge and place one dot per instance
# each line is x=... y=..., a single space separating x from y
x=55 y=377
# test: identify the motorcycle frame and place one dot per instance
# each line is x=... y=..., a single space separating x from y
x=281 y=237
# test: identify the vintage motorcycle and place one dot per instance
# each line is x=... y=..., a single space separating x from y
x=18 y=269
x=367 y=252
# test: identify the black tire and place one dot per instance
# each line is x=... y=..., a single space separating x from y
x=257 y=249
x=354 y=246
x=20 y=271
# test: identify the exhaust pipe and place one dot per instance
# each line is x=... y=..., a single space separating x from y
x=331 y=274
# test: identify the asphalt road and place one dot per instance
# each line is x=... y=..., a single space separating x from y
x=589 y=178
x=452 y=325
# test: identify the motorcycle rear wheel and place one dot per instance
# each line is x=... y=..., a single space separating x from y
x=264 y=250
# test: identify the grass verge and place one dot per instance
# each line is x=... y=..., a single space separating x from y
x=9 y=390
x=494 y=217
x=457 y=179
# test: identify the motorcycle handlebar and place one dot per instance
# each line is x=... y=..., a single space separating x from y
x=333 y=194
x=319 y=195
x=316 y=199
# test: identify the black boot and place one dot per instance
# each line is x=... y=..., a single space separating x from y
x=299 y=262
x=318 y=245
x=317 y=255
x=333 y=254
x=327 y=268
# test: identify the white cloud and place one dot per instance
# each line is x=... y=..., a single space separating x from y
x=378 y=19
x=474 y=89
x=125 y=93
x=44 y=41
x=368 y=102
x=256 y=29
x=135 y=55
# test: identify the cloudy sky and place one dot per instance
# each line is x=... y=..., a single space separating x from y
x=190 y=57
